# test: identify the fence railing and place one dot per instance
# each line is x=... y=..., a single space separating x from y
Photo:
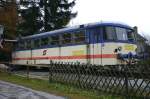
x=126 y=80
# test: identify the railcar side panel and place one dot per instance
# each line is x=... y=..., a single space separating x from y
x=21 y=57
x=96 y=54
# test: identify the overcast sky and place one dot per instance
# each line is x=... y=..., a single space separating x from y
x=131 y=12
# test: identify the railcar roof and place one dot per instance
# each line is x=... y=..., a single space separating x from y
x=77 y=28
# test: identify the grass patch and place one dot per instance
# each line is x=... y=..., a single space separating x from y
x=68 y=91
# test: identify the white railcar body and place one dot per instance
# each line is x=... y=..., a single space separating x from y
x=92 y=52
x=77 y=53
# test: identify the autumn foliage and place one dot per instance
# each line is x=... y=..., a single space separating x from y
x=8 y=18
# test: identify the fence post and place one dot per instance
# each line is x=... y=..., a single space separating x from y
x=10 y=68
x=50 y=71
x=78 y=73
x=126 y=82
x=27 y=70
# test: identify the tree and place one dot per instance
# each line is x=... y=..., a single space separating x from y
x=30 y=17
x=44 y=15
x=57 y=13
x=8 y=17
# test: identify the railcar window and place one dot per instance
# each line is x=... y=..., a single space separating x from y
x=79 y=37
x=121 y=33
x=49 y=39
x=44 y=41
x=66 y=38
x=21 y=45
x=37 y=43
x=28 y=44
x=130 y=35
x=109 y=33
x=54 y=40
x=16 y=45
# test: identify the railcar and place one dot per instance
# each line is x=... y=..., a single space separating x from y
x=97 y=43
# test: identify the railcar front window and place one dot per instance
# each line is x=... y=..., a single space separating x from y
x=117 y=33
x=121 y=33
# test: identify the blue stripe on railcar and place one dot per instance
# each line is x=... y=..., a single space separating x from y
x=76 y=29
x=89 y=35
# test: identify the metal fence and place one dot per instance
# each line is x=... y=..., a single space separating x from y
x=125 y=80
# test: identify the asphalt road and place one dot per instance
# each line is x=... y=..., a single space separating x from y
x=12 y=91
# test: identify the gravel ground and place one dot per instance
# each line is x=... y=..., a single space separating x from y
x=12 y=91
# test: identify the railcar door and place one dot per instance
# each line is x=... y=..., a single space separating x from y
x=95 y=45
